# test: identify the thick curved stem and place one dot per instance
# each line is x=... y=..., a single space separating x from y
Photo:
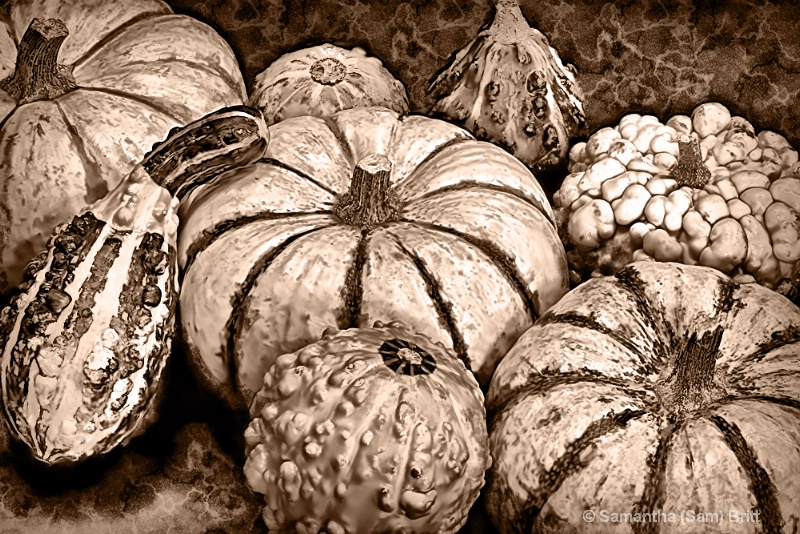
x=369 y=201
x=37 y=74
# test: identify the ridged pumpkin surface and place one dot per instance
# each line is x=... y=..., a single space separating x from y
x=664 y=388
x=468 y=254
x=128 y=72
x=368 y=430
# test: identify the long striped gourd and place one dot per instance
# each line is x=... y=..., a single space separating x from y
x=85 y=341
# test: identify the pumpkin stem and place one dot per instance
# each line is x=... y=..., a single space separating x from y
x=327 y=71
x=370 y=200
x=690 y=385
x=37 y=75
x=690 y=169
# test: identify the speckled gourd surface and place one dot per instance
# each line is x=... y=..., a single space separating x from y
x=663 y=388
x=368 y=430
x=700 y=189
x=321 y=80
x=365 y=216
x=86 y=88
x=510 y=87
x=84 y=343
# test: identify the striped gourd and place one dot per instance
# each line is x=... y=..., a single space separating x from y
x=663 y=392
x=84 y=343
x=361 y=217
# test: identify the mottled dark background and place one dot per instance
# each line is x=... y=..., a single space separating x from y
x=661 y=57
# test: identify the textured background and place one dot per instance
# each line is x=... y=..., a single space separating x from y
x=660 y=57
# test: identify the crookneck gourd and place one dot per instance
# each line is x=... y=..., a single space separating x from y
x=86 y=88
x=663 y=389
x=321 y=80
x=368 y=430
x=86 y=340
x=365 y=216
x=509 y=86
x=704 y=189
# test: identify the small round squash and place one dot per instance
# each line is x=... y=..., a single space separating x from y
x=321 y=80
x=665 y=388
x=368 y=430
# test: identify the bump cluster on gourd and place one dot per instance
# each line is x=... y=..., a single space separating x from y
x=639 y=188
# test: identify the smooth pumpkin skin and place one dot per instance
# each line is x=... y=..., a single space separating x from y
x=267 y=265
x=580 y=420
x=140 y=70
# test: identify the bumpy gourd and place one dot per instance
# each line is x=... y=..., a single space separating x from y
x=85 y=342
x=368 y=430
x=701 y=190
x=663 y=389
x=322 y=80
x=365 y=216
x=509 y=86
x=86 y=88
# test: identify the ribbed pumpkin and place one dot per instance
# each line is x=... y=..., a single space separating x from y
x=362 y=217
x=665 y=388
x=368 y=430
x=321 y=80
x=86 y=88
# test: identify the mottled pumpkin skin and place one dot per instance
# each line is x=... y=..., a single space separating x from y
x=585 y=415
x=471 y=260
x=368 y=430
x=321 y=80
x=139 y=70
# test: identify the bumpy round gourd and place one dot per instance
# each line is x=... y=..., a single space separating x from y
x=701 y=190
x=365 y=216
x=664 y=389
x=368 y=430
x=322 y=80
x=510 y=87
x=86 y=88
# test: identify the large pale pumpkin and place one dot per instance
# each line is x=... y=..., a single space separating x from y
x=663 y=389
x=86 y=88
x=361 y=217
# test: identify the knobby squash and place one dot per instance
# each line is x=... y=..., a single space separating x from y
x=368 y=430
x=86 y=88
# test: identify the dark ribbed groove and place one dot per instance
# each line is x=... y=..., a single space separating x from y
x=480 y=186
x=767 y=504
x=570 y=463
x=96 y=187
x=240 y=302
x=591 y=323
x=444 y=309
x=654 y=495
x=353 y=290
x=110 y=36
x=211 y=235
x=541 y=383
x=304 y=176
x=787 y=336
x=502 y=261
x=139 y=100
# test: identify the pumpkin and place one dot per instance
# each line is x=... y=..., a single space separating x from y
x=365 y=216
x=84 y=344
x=368 y=430
x=509 y=86
x=664 y=388
x=704 y=189
x=86 y=88
x=321 y=80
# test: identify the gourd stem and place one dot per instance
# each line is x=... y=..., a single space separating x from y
x=327 y=71
x=690 y=169
x=370 y=200
x=37 y=74
x=690 y=384
x=509 y=24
